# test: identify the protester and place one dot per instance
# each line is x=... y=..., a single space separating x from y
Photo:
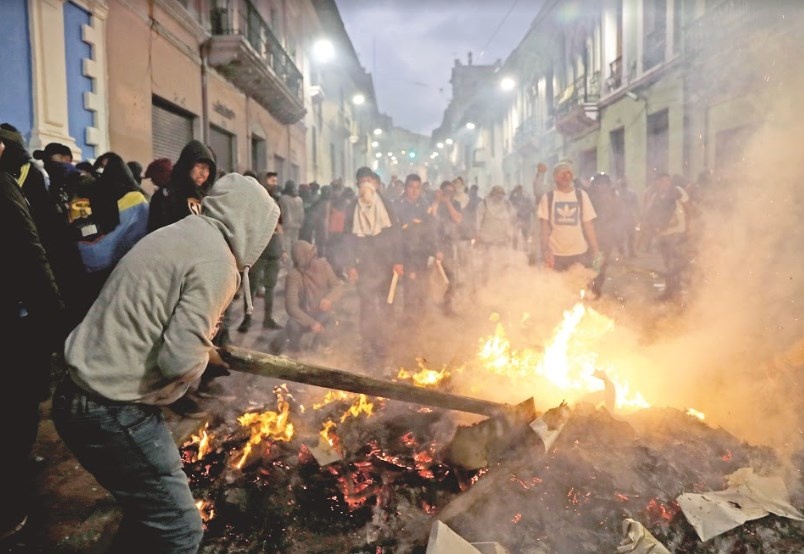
x=311 y=291
x=143 y=342
x=523 y=209
x=449 y=217
x=375 y=256
x=608 y=224
x=32 y=323
x=292 y=207
x=190 y=181
x=567 y=229
x=495 y=233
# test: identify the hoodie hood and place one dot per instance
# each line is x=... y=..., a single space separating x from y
x=193 y=152
x=302 y=253
x=245 y=213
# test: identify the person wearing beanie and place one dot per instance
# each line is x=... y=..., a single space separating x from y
x=146 y=338
x=159 y=171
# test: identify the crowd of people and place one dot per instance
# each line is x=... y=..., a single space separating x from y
x=135 y=291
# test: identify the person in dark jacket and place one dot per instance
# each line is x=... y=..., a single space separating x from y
x=32 y=324
x=375 y=256
x=265 y=272
x=54 y=234
x=418 y=243
x=191 y=179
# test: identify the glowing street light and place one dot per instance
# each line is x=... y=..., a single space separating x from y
x=507 y=84
x=440 y=145
x=323 y=50
x=470 y=125
x=358 y=99
x=378 y=155
x=374 y=144
x=448 y=141
x=411 y=155
x=377 y=132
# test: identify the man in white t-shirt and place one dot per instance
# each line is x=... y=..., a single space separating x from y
x=566 y=215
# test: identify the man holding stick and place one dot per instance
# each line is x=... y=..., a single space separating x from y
x=375 y=258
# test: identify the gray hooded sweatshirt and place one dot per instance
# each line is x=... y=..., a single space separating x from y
x=148 y=335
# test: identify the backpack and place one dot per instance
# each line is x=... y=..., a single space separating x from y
x=662 y=210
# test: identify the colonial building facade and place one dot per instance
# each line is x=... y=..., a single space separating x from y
x=629 y=87
x=143 y=77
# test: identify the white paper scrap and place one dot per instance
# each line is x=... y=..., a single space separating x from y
x=748 y=497
x=639 y=540
x=444 y=540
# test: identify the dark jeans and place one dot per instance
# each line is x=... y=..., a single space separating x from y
x=130 y=451
x=266 y=272
x=563 y=263
x=673 y=254
x=376 y=315
x=415 y=287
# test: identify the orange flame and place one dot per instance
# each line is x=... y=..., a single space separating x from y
x=692 y=412
x=267 y=425
x=425 y=377
x=328 y=435
x=332 y=396
x=206 y=508
x=360 y=406
x=568 y=362
x=203 y=440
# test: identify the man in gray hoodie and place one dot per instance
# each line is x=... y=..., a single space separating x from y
x=146 y=338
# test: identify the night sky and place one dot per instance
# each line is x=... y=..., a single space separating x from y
x=410 y=46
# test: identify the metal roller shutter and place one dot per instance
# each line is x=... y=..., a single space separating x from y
x=171 y=130
x=223 y=145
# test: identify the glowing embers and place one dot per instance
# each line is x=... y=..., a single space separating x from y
x=569 y=362
x=206 y=508
x=425 y=376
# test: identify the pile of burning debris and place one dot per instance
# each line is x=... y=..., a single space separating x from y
x=349 y=473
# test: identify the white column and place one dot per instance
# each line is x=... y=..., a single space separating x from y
x=97 y=101
x=48 y=74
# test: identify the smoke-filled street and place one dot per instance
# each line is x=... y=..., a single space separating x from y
x=402 y=277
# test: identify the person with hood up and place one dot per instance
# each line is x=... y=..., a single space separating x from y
x=146 y=338
x=190 y=181
x=112 y=220
x=311 y=290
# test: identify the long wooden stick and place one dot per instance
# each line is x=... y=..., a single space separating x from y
x=258 y=363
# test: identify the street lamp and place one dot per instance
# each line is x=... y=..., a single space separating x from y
x=358 y=99
x=470 y=125
x=507 y=84
x=377 y=132
x=374 y=144
x=323 y=50
x=378 y=155
x=448 y=141
x=440 y=145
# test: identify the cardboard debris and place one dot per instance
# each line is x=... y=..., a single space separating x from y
x=324 y=453
x=639 y=540
x=444 y=540
x=549 y=425
x=747 y=497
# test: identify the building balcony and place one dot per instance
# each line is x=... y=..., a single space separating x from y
x=577 y=108
x=245 y=50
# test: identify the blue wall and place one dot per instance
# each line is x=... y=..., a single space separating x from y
x=76 y=50
x=16 y=99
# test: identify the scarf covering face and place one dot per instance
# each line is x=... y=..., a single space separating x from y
x=370 y=217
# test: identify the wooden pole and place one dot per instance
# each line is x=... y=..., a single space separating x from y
x=258 y=363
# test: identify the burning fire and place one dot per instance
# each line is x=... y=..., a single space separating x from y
x=425 y=377
x=267 y=425
x=328 y=435
x=333 y=396
x=203 y=440
x=206 y=508
x=695 y=413
x=567 y=361
x=361 y=405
